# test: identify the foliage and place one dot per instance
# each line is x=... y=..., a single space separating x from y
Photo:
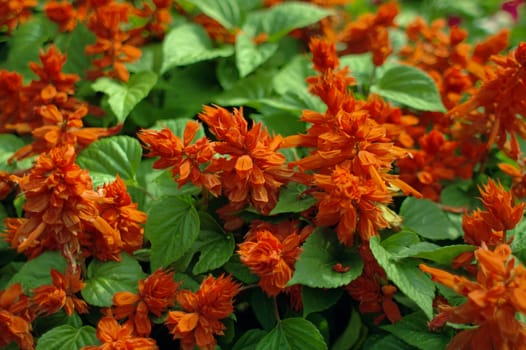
x=266 y=174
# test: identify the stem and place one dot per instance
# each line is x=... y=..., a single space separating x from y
x=276 y=310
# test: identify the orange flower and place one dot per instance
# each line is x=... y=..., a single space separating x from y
x=63 y=13
x=121 y=214
x=372 y=291
x=14 y=12
x=49 y=299
x=111 y=48
x=489 y=226
x=501 y=95
x=215 y=30
x=60 y=204
x=437 y=160
x=253 y=170
x=157 y=23
x=15 y=318
x=182 y=156
x=518 y=175
x=155 y=294
x=200 y=320
x=271 y=258
x=370 y=33
x=10 y=98
x=492 y=302
x=350 y=202
x=117 y=337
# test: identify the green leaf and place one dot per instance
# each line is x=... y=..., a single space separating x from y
x=26 y=42
x=215 y=249
x=360 y=65
x=280 y=19
x=407 y=277
x=36 y=272
x=321 y=251
x=413 y=330
x=386 y=342
x=293 y=334
x=292 y=199
x=518 y=244
x=249 y=339
x=67 y=337
x=427 y=219
x=249 y=55
x=187 y=44
x=263 y=307
x=318 y=299
x=280 y=123
x=247 y=91
x=351 y=334
x=43 y=324
x=445 y=255
x=239 y=270
x=228 y=13
x=124 y=97
x=409 y=86
x=400 y=241
x=73 y=44
x=105 y=278
x=172 y=228
x=177 y=126
x=291 y=77
x=110 y=156
x=9 y=144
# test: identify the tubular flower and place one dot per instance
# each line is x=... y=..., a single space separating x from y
x=63 y=13
x=155 y=295
x=114 y=336
x=253 y=171
x=15 y=318
x=111 y=47
x=47 y=109
x=435 y=161
x=215 y=30
x=60 y=203
x=157 y=20
x=370 y=33
x=271 y=258
x=372 y=291
x=203 y=310
x=14 y=12
x=11 y=104
x=183 y=157
x=501 y=95
x=492 y=302
x=350 y=202
x=121 y=214
x=518 y=175
x=48 y=300
x=489 y=226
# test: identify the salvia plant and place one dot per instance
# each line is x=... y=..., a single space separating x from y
x=263 y=174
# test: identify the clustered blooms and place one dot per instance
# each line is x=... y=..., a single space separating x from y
x=251 y=171
x=62 y=212
x=360 y=154
x=492 y=302
x=202 y=312
x=372 y=290
x=352 y=154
